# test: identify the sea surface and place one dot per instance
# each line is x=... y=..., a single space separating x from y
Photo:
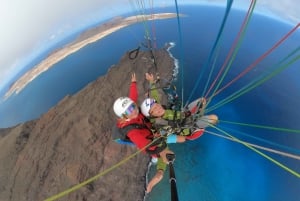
x=211 y=168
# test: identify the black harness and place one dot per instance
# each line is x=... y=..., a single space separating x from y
x=157 y=144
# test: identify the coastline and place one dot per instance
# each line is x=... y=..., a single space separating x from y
x=147 y=178
x=84 y=121
x=170 y=45
x=88 y=37
x=176 y=62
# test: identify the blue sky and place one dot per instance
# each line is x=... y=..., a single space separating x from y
x=28 y=27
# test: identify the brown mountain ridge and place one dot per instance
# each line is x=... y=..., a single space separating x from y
x=72 y=142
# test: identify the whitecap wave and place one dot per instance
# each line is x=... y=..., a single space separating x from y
x=169 y=46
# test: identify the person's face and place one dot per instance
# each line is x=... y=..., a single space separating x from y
x=156 y=110
x=132 y=111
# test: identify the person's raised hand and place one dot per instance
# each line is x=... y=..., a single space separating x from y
x=149 y=77
x=133 y=77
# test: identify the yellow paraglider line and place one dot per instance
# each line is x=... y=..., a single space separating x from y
x=259 y=152
x=281 y=131
x=293 y=156
x=141 y=9
x=78 y=186
x=230 y=137
x=263 y=126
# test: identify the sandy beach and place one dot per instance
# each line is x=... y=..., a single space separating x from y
x=87 y=37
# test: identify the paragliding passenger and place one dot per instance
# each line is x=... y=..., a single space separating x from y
x=183 y=125
x=127 y=111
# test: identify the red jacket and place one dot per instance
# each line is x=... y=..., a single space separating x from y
x=140 y=137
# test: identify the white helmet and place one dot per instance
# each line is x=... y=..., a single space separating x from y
x=146 y=105
x=121 y=105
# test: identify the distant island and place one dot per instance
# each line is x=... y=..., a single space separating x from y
x=89 y=36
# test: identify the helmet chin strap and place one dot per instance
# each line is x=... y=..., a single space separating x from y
x=124 y=116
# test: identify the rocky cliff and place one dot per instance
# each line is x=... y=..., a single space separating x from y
x=72 y=142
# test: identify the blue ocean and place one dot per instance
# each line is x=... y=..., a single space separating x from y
x=211 y=168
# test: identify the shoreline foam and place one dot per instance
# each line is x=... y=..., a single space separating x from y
x=175 y=74
x=88 y=37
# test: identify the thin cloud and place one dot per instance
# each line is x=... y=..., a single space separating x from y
x=29 y=26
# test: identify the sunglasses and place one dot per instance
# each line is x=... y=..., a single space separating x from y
x=130 y=109
x=152 y=102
